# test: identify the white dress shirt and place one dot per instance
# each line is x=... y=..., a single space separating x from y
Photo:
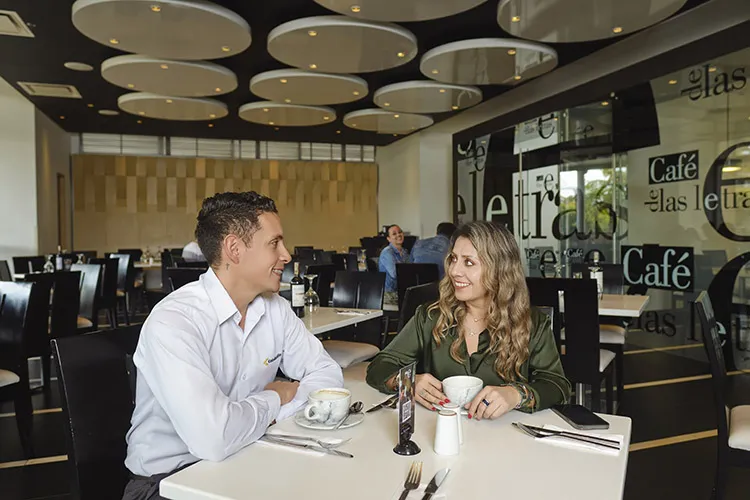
x=200 y=377
x=193 y=253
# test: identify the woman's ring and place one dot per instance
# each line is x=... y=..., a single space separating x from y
x=486 y=403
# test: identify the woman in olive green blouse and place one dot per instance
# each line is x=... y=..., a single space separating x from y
x=482 y=325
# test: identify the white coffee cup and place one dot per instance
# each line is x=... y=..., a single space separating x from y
x=462 y=389
x=328 y=406
x=447 y=440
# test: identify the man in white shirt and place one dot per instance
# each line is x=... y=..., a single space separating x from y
x=209 y=352
x=192 y=252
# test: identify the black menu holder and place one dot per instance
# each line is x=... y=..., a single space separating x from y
x=406 y=404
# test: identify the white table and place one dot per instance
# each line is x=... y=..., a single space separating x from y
x=627 y=306
x=326 y=319
x=496 y=461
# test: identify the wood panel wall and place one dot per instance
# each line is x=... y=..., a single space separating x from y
x=140 y=202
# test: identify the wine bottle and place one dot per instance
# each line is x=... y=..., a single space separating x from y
x=59 y=259
x=298 y=292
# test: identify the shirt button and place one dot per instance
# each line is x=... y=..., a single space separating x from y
x=244 y=376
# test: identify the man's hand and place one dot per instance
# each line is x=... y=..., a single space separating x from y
x=285 y=390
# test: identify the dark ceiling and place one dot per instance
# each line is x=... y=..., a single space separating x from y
x=56 y=41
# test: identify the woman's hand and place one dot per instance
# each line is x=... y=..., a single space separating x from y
x=501 y=400
x=428 y=391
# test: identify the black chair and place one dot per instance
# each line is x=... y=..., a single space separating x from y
x=409 y=242
x=192 y=265
x=135 y=253
x=23 y=265
x=584 y=362
x=372 y=265
x=179 y=277
x=97 y=390
x=355 y=250
x=733 y=425
x=339 y=261
x=65 y=305
x=108 y=292
x=88 y=255
x=408 y=275
x=37 y=328
x=326 y=274
x=176 y=252
x=91 y=283
x=288 y=273
x=414 y=297
x=125 y=282
x=304 y=253
x=352 y=262
x=5 y=274
x=14 y=367
x=358 y=291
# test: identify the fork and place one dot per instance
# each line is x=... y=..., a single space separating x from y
x=575 y=437
x=413 y=479
x=322 y=444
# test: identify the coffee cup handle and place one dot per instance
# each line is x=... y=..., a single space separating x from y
x=312 y=413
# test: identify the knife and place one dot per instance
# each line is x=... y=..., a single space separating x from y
x=291 y=444
x=437 y=480
x=382 y=405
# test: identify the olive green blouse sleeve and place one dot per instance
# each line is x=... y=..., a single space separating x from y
x=407 y=347
x=546 y=376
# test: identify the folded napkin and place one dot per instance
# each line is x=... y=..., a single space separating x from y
x=418 y=493
x=572 y=443
x=307 y=451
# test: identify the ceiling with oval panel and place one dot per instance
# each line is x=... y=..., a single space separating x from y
x=219 y=32
x=425 y=96
x=566 y=21
x=286 y=115
x=308 y=87
x=399 y=10
x=165 y=76
x=386 y=122
x=161 y=107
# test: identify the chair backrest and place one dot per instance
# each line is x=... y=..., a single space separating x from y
x=36 y=331
x=108 y=290
x=14 y=303
x=135 y=253
x=581 y=322
x=96 y=387
x=5 y=271
x=65 y=304
x=356 y=250
x=339 y=261
x=181 y=276
x=192 y=265
x=352 y=262
x=326 y=274
x=359 y=290
x=408 y=275
x=409 y=242
x=87 y=254
x=305 y=253
x=125 y=271
x=614 y=279
x=23 y=265
x=414 y=297
x=712 y=343
x=288 y=273
x=91 y=276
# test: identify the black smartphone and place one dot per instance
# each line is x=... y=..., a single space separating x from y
x=580 y=417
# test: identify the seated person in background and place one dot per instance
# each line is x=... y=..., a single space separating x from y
x=192 y=253
x=433 y=250
x=482 y=325
x=209 y=352
x=393 y=254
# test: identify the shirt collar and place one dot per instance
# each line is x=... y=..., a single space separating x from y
x=223 y=304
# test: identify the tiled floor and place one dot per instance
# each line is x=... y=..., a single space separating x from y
x=661 y=404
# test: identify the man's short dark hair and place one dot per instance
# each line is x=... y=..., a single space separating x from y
x=446 y=229
x=229 y=213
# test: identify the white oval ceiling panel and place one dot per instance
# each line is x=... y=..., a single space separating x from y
x=399 y=10
x=338 y=44
x=308 y=87
x=559 y=21
x=488 y=61
x=386 y=122
x=172 y=29
x=168 y=77
x=163 y=107
x=286 y=115
x=426 y=96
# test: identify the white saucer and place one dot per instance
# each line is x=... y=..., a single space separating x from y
x=299 y=419
x=462 y=411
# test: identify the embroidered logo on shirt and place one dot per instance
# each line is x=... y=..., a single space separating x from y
x=271 y=360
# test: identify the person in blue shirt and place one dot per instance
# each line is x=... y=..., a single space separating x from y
x=393 y=254
x=433 y=250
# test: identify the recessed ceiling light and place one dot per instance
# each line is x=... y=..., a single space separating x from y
x=156 y=8
x=142 y=113
x=386 y=104
x=454 y=107
x=90 y=105
x=78 y=66
x=395 y=135
x=312 y=33
x=517 y=77
x=512 y=52
x=617 y=29
x=210 y=125
x=225 y=48
x=712 y=69
x=114 y=41
x=515 y=19
x=435 y=72
x=326 y=118
x=338 y=131
x=62 y=117
x=605 y=103
x=401 y=54
x=169 y=101
x=164 y=66
x=356 y=92
x=283 y=80
x=139 y=121
x=725 y=169
x=313 y=66
x=442 y=91
x=354 y=124
x=287 y=101
x=396 y=116
x=212 y=115
x=131 y=86
x=673 y=82
x=356 y=8
x=270 y=123
x=108 y=112
x=484 y=142
x=265 y=110
x=276 y=129
x=218 y=89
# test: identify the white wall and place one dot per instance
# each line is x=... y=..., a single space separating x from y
x=18 y=208
x=52 y=158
